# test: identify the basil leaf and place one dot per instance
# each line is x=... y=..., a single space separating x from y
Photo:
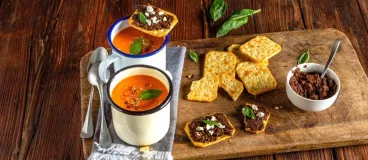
x=142 y=18
x=304 y=57
x=211 y=123
x=247 y=111
x=217 y=9
x=238 y=19
x=150 y=94
x=136 y=46
x=193 y=56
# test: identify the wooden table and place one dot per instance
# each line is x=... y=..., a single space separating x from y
x=42 y=42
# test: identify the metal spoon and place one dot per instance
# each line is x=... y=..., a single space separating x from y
x=93 y=78
x=332 y=55
x=97 y=56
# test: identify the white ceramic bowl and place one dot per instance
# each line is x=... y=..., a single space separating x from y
x=309 y=104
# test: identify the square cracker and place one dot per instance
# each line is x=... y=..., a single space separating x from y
x=156 y=33
x=239 y=56
x=256 y=77
x=232 y=86
x=260 y=48
x=205 y=89
x=218 y=62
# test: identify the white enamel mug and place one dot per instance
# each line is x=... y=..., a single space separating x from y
x=144 y=127
x=121 y=59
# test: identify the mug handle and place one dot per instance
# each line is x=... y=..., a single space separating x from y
x=105 y=64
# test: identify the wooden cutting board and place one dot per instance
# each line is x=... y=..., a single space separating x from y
x=289 y=128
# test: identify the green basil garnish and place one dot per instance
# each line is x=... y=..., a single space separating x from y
x=136 y=46
x=150 y=94
x=142 y=18
x=247 y=111
x=304 y=57
x=217 y=9
x=238 y=19
x=193 y=56
x=211 y=123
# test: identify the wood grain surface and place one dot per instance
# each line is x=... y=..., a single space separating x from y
x=289 y=129
x=43 y=41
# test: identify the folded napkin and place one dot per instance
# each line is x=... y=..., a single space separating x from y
x=162 y=149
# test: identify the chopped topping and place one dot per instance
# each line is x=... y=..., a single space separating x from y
x=199 y=128
x=276 y=107
x=260 y=114
x=164 y=19
x=254 y=107
x=146 y=14
x=161 y=13
x=209 y=127
x=153 y=13
x=221 y=126
x=154 y=19
x=211 y=132
x=213 y=118
x=149 y=9
x=148 y=22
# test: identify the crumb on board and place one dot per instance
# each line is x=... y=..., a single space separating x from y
x=189 y=75
x=144 y=149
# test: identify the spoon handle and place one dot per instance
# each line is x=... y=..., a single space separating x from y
x=87 y=130
x=105 y=137
x=332 y=55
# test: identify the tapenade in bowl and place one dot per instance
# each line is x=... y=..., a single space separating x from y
x=307 y=91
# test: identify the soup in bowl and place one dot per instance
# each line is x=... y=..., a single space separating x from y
x=140 y=97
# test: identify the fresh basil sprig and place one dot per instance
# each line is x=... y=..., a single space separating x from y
x=193 y=56
x=211 y=123
x=136 y=46
x=217 y=9
x=304 y=57
x=142 y=18
x=150 y=94
x=247 y=111
x=238 y=19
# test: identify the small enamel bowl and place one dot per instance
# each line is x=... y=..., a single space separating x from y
x=309 y=104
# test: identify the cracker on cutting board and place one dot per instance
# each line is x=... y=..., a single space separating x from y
x=218 y=62
x=202 y=131
x=256 y=77
x=239 y=56
x=261 y=117
x=205 y=89
x=161 y=17
x=260 y=48
x=231 y=85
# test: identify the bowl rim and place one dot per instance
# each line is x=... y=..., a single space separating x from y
x=313 y=64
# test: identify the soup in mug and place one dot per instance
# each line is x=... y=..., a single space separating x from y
x=139 y=93
x=124 y=40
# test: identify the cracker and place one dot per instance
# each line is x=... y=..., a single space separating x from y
x=239 y=56
x=260 y=48
x=232 y=86
x=205 y=144
x=156 y=33
x=205 y=89
x=256 y=77
x=145 y=149
x=265 y=121
x=218 y=62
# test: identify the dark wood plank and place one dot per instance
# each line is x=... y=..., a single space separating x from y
x=263 y=157
x=15 y=37
x=63 y=33
x=342 y=15
x=321 y=154
x=276 y=16
x=363 y=5
x=352 y=152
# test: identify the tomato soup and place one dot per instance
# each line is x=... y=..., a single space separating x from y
x=139 y=93
x=125 y=38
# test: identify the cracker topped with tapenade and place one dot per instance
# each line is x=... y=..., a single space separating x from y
x=152 y=20
x=255 y=118
x=210 y=129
